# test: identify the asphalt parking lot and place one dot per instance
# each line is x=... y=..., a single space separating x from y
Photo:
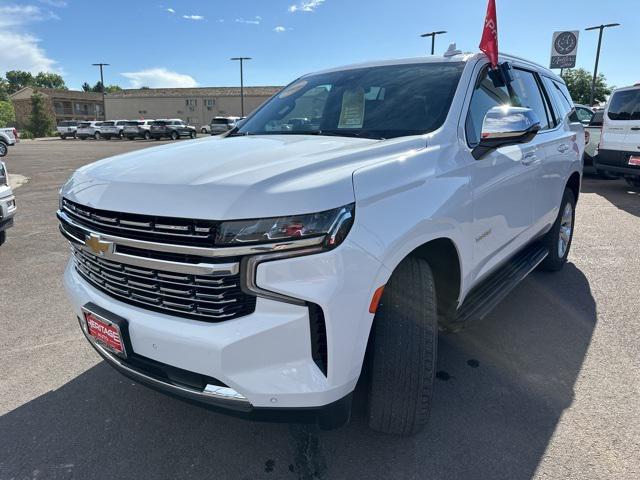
x=547 y=387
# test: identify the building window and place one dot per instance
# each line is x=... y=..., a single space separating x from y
x=192 y=102
x=210 y=102
x=81 y=108
x=58 y=107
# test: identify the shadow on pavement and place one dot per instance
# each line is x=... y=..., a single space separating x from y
x=615 y=191
x=508 y=380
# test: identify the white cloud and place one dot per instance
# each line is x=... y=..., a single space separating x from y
x=252 y=21
x=55 y=3
x=159 y=78
x=306 y=6
x=196 y=18
x=171 y=10
x=20 y=49
x=279 y=29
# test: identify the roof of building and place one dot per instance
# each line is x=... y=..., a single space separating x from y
x=55 y=93
x=266 y=91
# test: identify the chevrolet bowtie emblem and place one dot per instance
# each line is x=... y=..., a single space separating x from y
x=98 y=246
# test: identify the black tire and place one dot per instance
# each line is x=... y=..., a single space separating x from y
x=633 y=182
x=96 y=136
x=193 y=134
x=4 y=149
x=554 y=260
x=403 y=351
x=174 y=135
x=3 y=237
x=75 y=136
x=147 y=135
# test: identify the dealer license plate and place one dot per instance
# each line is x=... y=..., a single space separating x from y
x=105 y=332
x=634 y=160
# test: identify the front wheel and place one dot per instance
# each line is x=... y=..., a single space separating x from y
x=558 y=239
x=3 y=237
x=3 y=149
x=96 y=135
x=147 y=135
x=174 y=135
x=193 y=134
x=403 y=351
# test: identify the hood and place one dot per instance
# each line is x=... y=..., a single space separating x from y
x=229 y=178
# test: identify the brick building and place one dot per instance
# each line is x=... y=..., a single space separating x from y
x=62 y=104
x=196 y=106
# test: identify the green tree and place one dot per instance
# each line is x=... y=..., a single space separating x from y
x=7 y=114
x=86 y=87
x=17 y=80
x=41 y=122
x=4 y=90
x=49 y=80
x=578 y=82
x=112 y=89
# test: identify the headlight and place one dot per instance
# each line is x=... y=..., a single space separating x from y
x=330 y=227
x=4 y=175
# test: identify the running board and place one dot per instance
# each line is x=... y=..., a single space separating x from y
x=488 y=294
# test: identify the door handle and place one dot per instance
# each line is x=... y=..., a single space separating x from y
x=635 y=129
x=529 y=159
x=563 y=148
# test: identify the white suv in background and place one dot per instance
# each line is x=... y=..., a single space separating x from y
x=113 y=129
x=138 y=129
x=619 y=150
x=88 y=130
x=7 y=203
x=260 y=271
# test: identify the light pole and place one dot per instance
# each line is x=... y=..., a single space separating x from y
x=104 y=106
x=433 y=38
x=595 y=70
x=241 y=60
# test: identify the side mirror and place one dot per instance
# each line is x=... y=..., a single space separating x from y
x=504 y=126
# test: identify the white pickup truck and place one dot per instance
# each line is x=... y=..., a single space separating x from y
x=8 y=137
x=259 y=272
x=7 y=203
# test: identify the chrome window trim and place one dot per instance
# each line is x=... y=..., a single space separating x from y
x=196 y=251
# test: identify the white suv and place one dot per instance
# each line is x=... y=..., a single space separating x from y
x=7 y=203
x=619 y=149
x=259 y=272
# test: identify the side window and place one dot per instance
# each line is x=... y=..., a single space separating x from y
x=530 y=96
x=484 y=98
x=584 y=115
x=558 y=104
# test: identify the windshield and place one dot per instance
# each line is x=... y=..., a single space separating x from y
x=375 y=102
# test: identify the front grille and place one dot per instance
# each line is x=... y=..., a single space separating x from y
x=177 y=231
x=203 y=297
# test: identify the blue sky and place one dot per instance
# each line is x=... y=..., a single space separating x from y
x=189 y=42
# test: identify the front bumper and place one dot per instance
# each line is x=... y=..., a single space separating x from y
x=266 y=356
x=7 y=211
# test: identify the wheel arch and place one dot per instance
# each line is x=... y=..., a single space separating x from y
x=573 y=184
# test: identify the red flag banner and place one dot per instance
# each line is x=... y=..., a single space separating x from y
x=489 y=42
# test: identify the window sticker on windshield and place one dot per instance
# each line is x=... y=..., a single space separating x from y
x=296 y=87
x=352 y=114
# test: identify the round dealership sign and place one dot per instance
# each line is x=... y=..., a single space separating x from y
x=565 y=43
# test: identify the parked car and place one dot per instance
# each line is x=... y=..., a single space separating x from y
x=172 y=128
x=261 y=272
x=7 y=203
x=619 y=151
x=67 y=129
x=205 y=129
x=594 y=129
x=138 y=129
x=8 y=137
x=220 y=125
x=89 y=130
x=113 y=129
x=584 y=114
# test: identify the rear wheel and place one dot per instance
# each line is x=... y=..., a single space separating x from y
x=3 y=237
x=558 y=239
x=3 y=149
x=193 y=134
x=147 y=135
x=403 y=351
x=96 y=135
x=174 y=135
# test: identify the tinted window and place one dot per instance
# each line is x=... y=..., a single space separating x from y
x=84 y=125
x=108 y=124
x=529 y=96
x=596 y=120
x=625 y=105
x=220 y=121
x=376 y=102
x=584 y=114
x=485 y=97
x=159 y=123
